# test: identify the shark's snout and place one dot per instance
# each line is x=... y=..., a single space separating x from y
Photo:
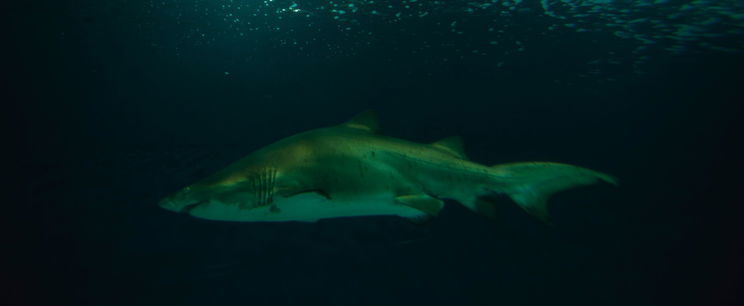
x=182 y=201
x=169 y=204
x=179 y=206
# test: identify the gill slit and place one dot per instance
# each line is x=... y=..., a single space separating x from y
x=263 y=184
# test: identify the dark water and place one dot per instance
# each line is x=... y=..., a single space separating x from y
x=118 y=103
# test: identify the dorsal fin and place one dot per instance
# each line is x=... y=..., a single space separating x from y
x=452 y=145
x=366 y=121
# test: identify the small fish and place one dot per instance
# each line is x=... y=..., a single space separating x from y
x=351 y=170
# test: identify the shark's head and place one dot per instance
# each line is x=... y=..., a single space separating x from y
x=224 y=191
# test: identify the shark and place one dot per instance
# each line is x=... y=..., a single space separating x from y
x=352 y=170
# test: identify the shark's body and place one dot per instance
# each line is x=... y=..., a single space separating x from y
x=351 y=170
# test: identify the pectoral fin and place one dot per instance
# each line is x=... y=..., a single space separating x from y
x=291 y=192
x=425 y=203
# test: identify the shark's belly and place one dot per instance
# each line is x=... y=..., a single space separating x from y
x=308 y=207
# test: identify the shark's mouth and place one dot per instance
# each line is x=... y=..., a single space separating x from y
x=187 y=209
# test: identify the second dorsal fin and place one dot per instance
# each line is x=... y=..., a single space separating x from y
x=452 y=145
x=366 y=121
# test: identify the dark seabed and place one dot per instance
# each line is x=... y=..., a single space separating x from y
x=114 y=104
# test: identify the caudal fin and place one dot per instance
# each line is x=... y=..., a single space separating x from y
x=530 y=184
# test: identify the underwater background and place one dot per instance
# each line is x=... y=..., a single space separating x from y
x=114 y=104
